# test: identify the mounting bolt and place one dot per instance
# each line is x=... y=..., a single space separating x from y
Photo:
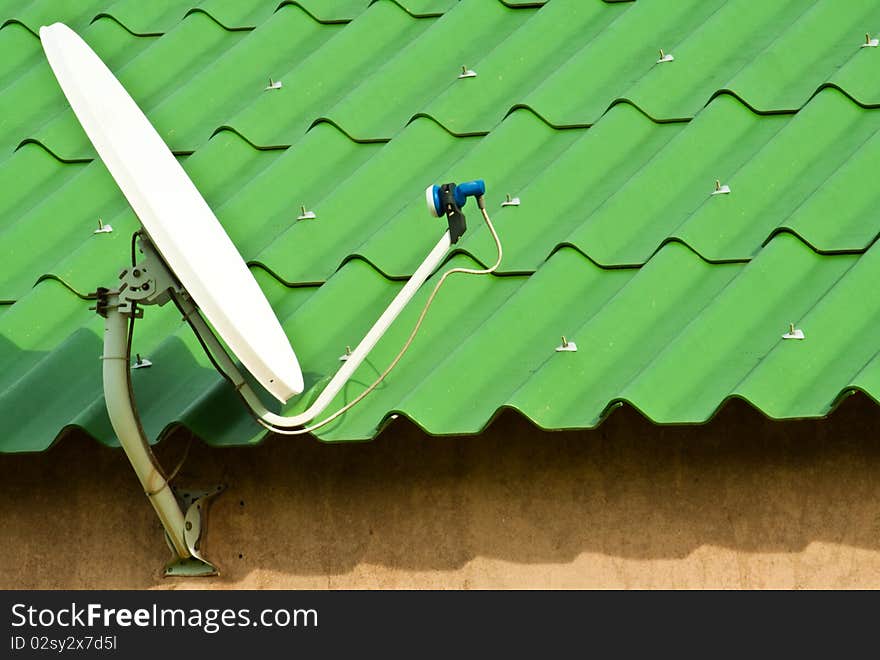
x=102 y=228
x=793 y=332
x=306 y=215
x=665 y=57
x=719 y=189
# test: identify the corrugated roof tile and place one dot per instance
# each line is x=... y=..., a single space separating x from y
x=676 y=298
x=354 y=55
x=31 y=101
x=774 y=56
x=33 y=14
x=674 y=338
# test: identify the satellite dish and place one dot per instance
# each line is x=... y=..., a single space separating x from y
x=178 y=221
x=188 y=258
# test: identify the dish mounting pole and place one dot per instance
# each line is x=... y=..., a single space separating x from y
x=151 y=282
x=182 y=514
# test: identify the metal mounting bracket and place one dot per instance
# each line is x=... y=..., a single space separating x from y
x=147 y=283
x=196 y=504
x=454 y=215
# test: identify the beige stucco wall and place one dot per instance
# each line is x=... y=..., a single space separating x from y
x=741 y=502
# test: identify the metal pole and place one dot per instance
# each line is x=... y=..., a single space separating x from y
x=124 y=418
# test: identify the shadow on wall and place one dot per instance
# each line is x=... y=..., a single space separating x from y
x=74 y=516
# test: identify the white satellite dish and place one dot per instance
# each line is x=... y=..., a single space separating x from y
x=175 y=216
x=189 y=258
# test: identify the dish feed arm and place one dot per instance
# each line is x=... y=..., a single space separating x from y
x=446 y=200
x=228 y=368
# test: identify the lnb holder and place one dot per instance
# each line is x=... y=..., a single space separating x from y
x=448 y=199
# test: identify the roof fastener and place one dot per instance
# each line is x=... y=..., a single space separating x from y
x=306 y=215
x=510 y=201
x=869 y=42
x=467 y=73
x=567 y=346
x=719 y=189
x=102 y=228
x=346 y=355
x=665 y=57
x=141 y=363
x=793 y=332
x=273 y=84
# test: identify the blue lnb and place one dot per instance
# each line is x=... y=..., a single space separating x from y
x=459 y=192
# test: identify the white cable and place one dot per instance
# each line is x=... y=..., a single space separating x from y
x=412 y=336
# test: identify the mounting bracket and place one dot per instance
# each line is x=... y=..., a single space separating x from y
x=149 y=282
x=195 y=503
x=454 y=215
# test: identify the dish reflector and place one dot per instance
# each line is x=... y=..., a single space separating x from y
x=175 y=216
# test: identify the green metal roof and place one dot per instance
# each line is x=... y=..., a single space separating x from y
x=676 y=298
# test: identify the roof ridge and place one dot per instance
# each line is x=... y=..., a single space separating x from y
x=323 y=21
x=111 y=17
x=49 y=151
x=15 y=21
x=782 y=229
x=226 y=128
x=228 y=28
x=197 y=9
x=833 y=85
x=428 y=14
x=394 y=414
x=426 y=115
x=51 y=277
x=256 y=264
x=327 y=120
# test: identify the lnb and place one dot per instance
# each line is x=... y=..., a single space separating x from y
x=460 y=192
x=447 y=200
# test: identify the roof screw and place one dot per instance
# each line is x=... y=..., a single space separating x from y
x=346 y=355
x=102 y=228
x=510 y=201
x=665 y=57
x=273 y=84
x=793 y=332
x=306 y=215
x=141 y=363
x=869 y=42
x=719 y=189
x=567 y=346
x=467 y=73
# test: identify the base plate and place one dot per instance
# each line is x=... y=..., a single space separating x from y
x=195 y=505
